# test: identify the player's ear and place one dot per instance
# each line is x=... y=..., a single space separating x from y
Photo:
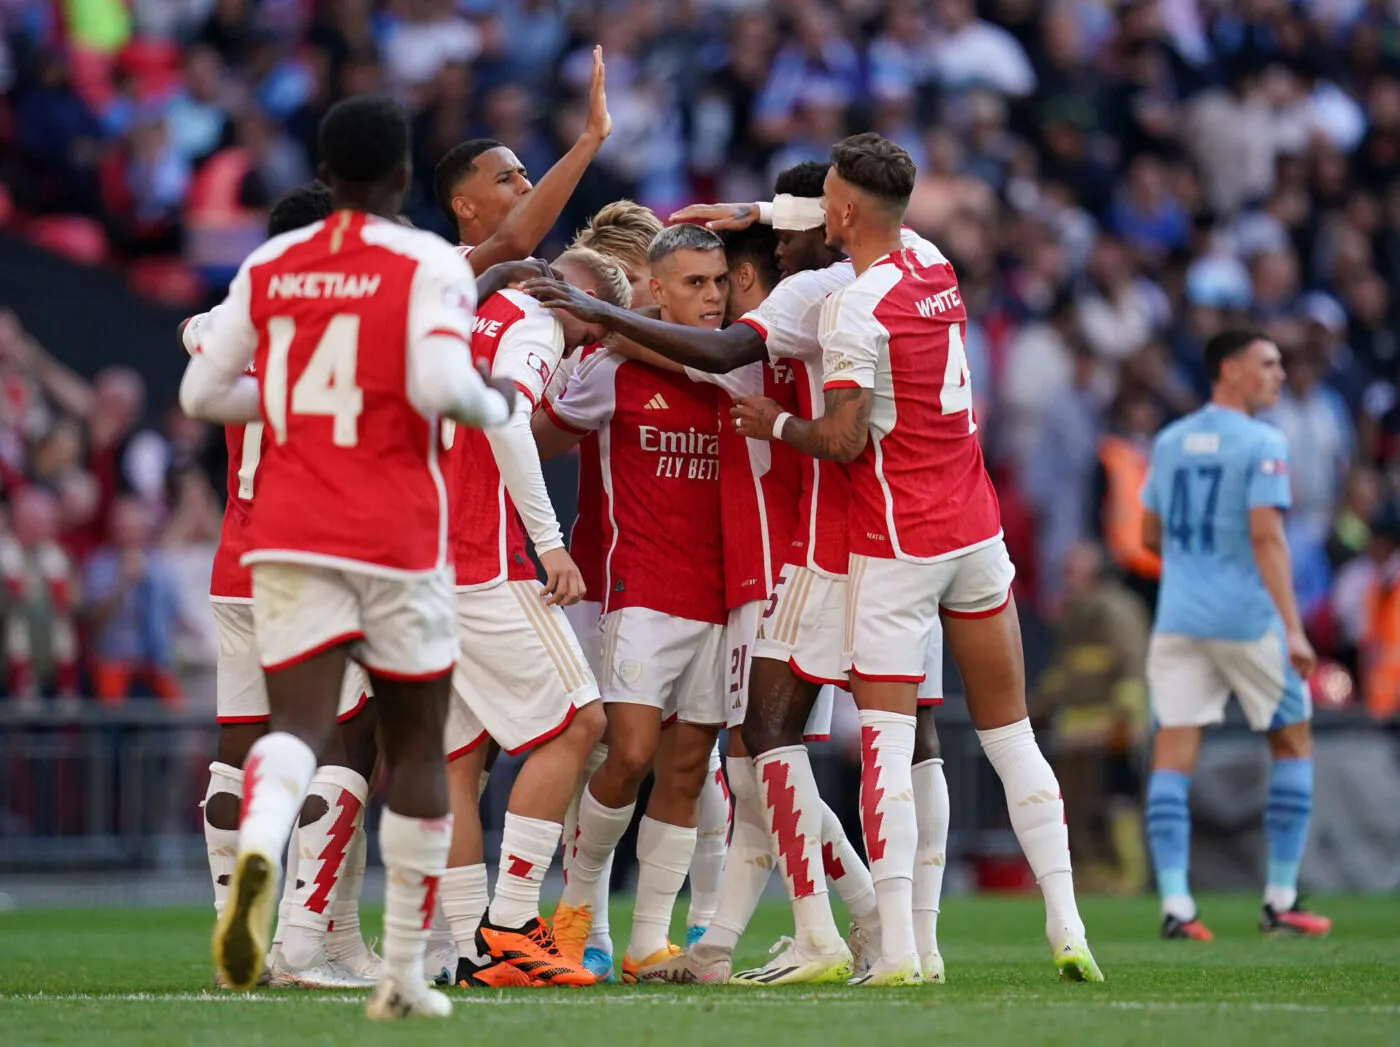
x=658 y=294
x=323 y=173
x=463 y=208
x=745 y=275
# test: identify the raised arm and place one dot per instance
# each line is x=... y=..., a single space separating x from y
x=530 y=221
x=702 y=349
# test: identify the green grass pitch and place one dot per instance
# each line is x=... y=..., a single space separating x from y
x=111 y=978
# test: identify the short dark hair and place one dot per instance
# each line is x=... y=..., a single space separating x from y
x=877 y=166
x=756 y=245
x=365 y=138
x=683 y=237
x=1229 y=343
x=805 y=180
x=454 y=165
x=299 y=207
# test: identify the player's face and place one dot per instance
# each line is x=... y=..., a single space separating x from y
x=576 y=332
x=493 y=187
x=799 y=251
x=692 y=288
x=839 y=200
x=639 y=276
x=1262 y=375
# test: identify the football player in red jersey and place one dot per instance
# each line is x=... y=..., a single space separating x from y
x=664 y=601
x=925 y=541
x=623 y=231
x=521 y=677
x=485 y=193
x=319 y=918
x=359 y=331
x=798 y=650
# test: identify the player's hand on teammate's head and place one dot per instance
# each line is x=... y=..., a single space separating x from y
x=504 y=386
x=599 y=119
x=563 y=582
x=753 y=416
x=1301 y=653
x=719 y=217
x=555 y=294
x=512 y=274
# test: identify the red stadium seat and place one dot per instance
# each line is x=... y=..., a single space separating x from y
x=74 y=237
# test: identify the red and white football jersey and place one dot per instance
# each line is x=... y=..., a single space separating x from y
x=230 y=581
x=919 y=490
x=760 y=483
x=586 y=537
x=658 y=442
x=519 y=340
x=789 y=320
x=333 y=317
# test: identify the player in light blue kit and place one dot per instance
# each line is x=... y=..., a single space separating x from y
x=1227 y=621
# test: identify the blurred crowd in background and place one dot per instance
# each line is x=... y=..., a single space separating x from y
x=1114 y=181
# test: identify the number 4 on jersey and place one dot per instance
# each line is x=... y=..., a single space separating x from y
x=957 y=379
x=327 y=383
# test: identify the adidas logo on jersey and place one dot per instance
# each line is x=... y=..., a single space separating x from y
x=656 y=403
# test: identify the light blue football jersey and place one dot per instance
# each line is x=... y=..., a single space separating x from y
x=1209 y=470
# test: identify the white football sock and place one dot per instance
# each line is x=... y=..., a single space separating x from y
x=221 y=845
x=343 y=937
x=275 y=779
x=845 y=871
x=888 y=822
x=464 y=902
x=290 y=868
x=600 y=932
x=1038 y=817
x=322 y=847
x=711 y=835
x=527 y=849
x=570 y=830
x=931 y=808
x=599 y=830
x=663 y=859
x=747 y=865
x=415 y=854
x=792 y=811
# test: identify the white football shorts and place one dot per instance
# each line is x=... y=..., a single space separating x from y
x=401 y=628
x=673 y=664
x=893 y=607
x=241 y=690
x=1190 y=680
x=585 y=618
x=803 y=623
x=521 y=675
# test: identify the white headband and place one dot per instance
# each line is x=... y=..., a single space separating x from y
x=798 y=213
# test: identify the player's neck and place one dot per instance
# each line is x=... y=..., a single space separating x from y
x=1223 y=398
x=369 y=204
x=868 y=246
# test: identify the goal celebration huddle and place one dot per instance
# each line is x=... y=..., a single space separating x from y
x=782 y=504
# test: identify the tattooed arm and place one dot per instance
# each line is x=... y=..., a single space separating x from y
x=839 y=435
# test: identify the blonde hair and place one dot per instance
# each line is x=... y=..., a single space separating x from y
x=623 y=229
x=610 y=281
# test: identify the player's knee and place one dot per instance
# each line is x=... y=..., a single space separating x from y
x=926 y=743
x=762 y=734
x=221 y=811
x=586 y=729
x=629 y=759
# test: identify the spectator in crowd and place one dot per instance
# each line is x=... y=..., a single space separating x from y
x=131 y=601
x=1092 y=699
x=40 y=600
